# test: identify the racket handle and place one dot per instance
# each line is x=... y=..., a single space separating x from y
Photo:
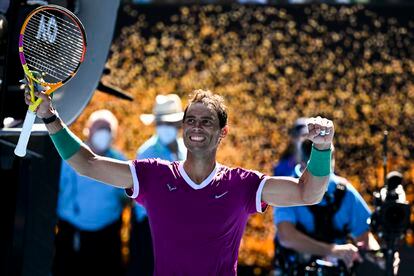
x=33 y=106
x=20 y=149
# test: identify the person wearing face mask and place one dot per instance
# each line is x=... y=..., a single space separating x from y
x=88 y=240
x=164 y=144
x=291 y=156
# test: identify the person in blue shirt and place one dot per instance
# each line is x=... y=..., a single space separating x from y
x=88 y=237
x=322 y=232
x=167 y=145
x=291 y=156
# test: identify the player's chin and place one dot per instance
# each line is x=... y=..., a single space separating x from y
x=195 y=144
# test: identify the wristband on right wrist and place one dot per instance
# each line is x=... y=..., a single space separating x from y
x=66 y=143
x=319 y=163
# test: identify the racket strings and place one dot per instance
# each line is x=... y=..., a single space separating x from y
x=55 y=49
x=57 y=67
x=62 y=38
x=61 y=69
x=52 y=60
x=53 y=76
x=59 y=41
x=66 y=23
x=73 y=33
x=68 y=49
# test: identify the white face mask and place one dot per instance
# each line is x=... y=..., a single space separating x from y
x=167 y=134
x=101 y=140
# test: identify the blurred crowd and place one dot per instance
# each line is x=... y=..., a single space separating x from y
x=349 y=63
x=267 y=1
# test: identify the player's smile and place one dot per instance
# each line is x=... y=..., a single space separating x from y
x=197 y=138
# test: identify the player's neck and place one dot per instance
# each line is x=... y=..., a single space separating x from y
x=198 y=169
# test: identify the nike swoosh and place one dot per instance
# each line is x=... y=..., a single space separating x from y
x=218 y=196
x=171 y=188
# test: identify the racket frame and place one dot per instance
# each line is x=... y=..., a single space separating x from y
x=51 y=87
x=20 y=149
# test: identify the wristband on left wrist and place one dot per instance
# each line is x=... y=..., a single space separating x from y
x=319 y=163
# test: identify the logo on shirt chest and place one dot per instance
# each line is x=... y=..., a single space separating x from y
x=217 y=196
x=171 y=187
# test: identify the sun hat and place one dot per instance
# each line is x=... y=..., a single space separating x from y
x=167 y=108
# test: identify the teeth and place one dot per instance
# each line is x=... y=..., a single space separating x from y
x=196 y=138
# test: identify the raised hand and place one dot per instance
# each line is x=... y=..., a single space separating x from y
x=320 y=132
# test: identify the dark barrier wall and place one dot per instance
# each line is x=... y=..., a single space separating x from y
x=27 y=207
x=29 y=185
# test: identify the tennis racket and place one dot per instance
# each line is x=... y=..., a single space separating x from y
x=52 y=45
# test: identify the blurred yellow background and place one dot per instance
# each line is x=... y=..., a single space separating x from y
x=273 y=65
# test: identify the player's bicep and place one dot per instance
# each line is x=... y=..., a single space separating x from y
x=108 y=170
x=114 y=172
x=282 y=191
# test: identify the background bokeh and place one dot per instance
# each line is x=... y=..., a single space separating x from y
x=353 y=64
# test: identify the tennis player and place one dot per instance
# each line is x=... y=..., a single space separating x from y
x=198 y=208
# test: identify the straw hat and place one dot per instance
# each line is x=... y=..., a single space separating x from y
x=167 y=109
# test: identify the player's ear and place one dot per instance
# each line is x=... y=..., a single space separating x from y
x=224 y=131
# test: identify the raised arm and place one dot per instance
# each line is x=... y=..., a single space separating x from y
x=78 y=155
x=310 y=187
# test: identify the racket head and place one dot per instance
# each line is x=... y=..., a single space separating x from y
x=53 y=43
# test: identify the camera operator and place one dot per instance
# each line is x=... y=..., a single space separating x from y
x=317 y=236
x=391 y=218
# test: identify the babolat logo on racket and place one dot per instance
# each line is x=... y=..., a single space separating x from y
x=47 y=31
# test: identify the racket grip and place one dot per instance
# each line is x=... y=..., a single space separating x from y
x=20 y=149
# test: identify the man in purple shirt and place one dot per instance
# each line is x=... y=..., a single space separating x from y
x=198 y=208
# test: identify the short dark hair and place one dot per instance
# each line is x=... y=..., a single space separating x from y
x=214 y=101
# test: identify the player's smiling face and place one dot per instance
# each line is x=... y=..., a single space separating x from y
x=201 y=128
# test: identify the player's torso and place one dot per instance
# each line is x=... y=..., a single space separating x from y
x=176 y=201
x=202 y=224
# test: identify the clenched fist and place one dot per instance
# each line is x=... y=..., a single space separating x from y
x=320 y=132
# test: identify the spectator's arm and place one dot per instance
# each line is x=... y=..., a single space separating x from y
x=292 y=238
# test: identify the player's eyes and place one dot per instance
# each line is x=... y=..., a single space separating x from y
x=189 y=121
x=207 y=122
x=203 y=122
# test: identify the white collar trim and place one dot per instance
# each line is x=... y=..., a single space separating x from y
x=191 y=183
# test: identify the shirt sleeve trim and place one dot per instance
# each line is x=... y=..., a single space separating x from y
x=259 y=208
x=135 y=187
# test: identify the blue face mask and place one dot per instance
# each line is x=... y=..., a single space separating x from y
x=101 y=140
x=167 y=134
